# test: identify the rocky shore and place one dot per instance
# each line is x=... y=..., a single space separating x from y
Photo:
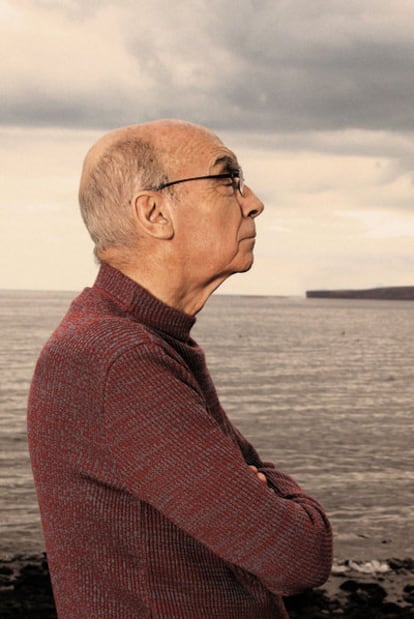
x=370 y=590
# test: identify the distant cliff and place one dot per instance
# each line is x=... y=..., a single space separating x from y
x=391 y=293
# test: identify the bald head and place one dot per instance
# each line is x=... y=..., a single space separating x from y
x=122 y=162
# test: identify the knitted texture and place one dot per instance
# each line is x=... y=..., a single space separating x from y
x=148 y=506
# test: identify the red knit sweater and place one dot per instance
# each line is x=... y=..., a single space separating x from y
x=148 y=506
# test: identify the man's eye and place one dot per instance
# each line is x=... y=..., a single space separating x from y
x=232 y=180
x=231 y=184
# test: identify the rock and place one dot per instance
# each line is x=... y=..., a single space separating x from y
x=369 y=594
x=25 y=589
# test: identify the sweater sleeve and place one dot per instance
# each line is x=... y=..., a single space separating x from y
x=278 y=480
x=172 y=453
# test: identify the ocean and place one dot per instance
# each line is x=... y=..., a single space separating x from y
x=323 y=388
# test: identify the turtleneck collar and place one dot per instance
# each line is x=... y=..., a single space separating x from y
x=142 y=305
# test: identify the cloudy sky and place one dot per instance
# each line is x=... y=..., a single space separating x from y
x=316 y=98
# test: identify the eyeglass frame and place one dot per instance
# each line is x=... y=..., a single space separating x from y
x=233 y=175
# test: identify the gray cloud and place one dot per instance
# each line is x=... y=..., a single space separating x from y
x=262 y=66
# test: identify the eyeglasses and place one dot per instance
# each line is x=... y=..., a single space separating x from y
x=235 y=175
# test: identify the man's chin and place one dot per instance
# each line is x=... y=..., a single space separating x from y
x=246 y=266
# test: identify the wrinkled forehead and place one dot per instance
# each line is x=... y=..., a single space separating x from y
x=199 y=150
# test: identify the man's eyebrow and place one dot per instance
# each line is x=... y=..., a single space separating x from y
x=226 y=162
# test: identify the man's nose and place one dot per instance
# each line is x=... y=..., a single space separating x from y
x=250 y=204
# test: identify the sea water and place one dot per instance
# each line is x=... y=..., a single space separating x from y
x=322 y=388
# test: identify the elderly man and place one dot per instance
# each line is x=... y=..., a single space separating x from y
x=152 y=503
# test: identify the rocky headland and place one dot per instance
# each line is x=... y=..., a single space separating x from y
x=390 y=293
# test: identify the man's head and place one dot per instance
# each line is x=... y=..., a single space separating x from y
x=135 y=210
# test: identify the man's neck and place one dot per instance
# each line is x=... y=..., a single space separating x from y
x=178 y=292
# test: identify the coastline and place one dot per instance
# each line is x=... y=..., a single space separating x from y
x=363 y=590
x=388 y=293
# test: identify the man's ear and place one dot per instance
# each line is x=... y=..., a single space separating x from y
x=152 y=215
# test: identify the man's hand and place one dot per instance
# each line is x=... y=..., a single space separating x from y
x=260 y=476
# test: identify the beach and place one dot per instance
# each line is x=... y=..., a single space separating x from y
x=322 y=388
x=354 y=590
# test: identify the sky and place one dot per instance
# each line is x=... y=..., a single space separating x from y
x=315 y=97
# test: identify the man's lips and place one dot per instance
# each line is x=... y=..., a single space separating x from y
x=248 y=237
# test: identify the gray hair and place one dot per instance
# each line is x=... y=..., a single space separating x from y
x=107 y=189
